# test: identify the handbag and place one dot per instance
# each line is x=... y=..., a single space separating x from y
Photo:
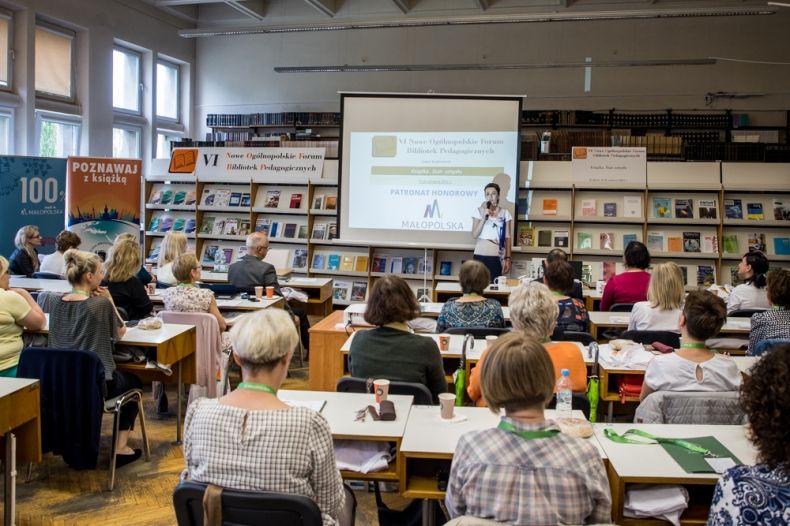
x=629 y=385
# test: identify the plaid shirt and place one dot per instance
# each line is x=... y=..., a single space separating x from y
x=282 y=451
x=501 y=476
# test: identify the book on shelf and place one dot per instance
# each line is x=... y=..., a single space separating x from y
x=318 y=202
x=222 y=197
x=549 y=207
x=607 y=240
x=610 y=209
x=445 y=268
x=519 y=267
x=207 y=227
x=708 y=209
x=781 y=210
x=425 y=265
x=684 y=271
x=319 y=262
x=319 y=230
x=235 y=199
x=526 y=235
x=396 y=265
x=705 y=276
x=296 y=200
x=189 y=228
x=347 y=263
x=209 y=254
x=302 y=233
x=655 y=242
x=359 y=289
x=156 y=197
x=632 y=206
x=245 y=199
x=733 y=208
x=231 y=227
x=333 y=262
x=522 y=204
x=179 y=197
x=190 y=198
x=691 y=242
x=166 y=224
x=589 y=208
x=561 y=238
x=179 y=224
x=586 y=273
x=167 y=196
x=361 y=264
x=409 y=265
x=262 y=225
x=379 y=264
x=627 y=238
x=735 y=279
x=583 y=240
x=756 y=241
x=544 y=238
x=710 y=244
x=241 y=252
x=662 y=207
x=272 y=199
x=674 y=244
x=754 y=211
x=730 y=242
x=340 y=290
x=608 y=269
x=782 y=246
x=153 y=226
x=299 y=260
x=227 y=255
x=244 y=227
x=219 y=227
x=290 y=230
x=208 y=197
x=154 y=253
x=274 y=229
x=331 y=231
x=684 y=209
x=330 y=202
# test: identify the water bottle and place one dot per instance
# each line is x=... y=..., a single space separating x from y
x=563 y=390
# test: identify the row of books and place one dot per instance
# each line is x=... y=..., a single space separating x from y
x=532 y=237
x=225 y=226
x=281 y=229
x=688 y=242
x=224 y=197
x=177 y=197
x=164 y=223
x=273 y=199
x=402 y=264
x=210 y=251
x=349 y=291
x=653 y=144
x=632 y=207
x=324 y=231
x=684 y=208
x=756 y=241
x=733 y=208
x=339 y=262
x=273 y=119
x=584 y=240
x=629 y=120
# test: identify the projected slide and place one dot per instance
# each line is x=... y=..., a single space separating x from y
x=427 y=181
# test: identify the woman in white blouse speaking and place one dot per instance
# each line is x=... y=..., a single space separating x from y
x=491 y=225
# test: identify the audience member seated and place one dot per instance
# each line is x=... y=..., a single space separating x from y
x=250 y=440
x=572 y=316
x=533 y=311
x=773 y=323
x=471 y=309
x=557 y=254
x=665 y=293
x=173 y=245
x=252 y=271
x=86 y=319
x=143 y=275
x=391 y=350
x=187 y=297
x=18 y=311
x=694 y=367
x=750 y=294
x=525 y=471
x=121 y=268
x=53 y=263
x=629 y=286
x=759 y=494
x=24 y=259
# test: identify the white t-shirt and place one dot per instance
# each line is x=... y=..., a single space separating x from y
x=647 y=318
x=487 y=243
x=747 y=296
x=671 y=372
x=164 y=274
x=53 y=263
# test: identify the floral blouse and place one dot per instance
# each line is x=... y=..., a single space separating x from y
x=487 y=313
x=191 y=299
x=752 y=495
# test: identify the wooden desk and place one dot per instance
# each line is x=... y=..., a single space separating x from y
x=36 y=285
x=319 y=293
x=21 y=433
x=445 y=290
x=590 y=297
x=340 y=412
x=326 y=339
x=650 y=464
x=235 y=303
x=429 y=444
x=619 y=320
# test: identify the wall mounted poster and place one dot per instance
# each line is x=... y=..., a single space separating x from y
x=103 y=200
x=31 y=193
x=609 y=167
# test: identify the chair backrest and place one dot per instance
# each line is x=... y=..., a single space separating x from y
x=245 y=507
x=208 y=345
x=220 y=289
x=621 y=307
x=666 y=337
x=768 y=345
x=46 y=275
x=744 y=313
x=478 y=332
x=672 y=407
x=122 y=312
x=422 y=395
x=584 y=338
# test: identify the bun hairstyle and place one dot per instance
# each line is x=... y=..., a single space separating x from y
x=79 y=263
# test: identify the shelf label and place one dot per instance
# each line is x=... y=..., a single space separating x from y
x=598 y=166
x=259 y=164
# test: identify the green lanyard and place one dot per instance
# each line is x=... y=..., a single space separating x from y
x=79 y=292
x=258 y=387
x=692 y=346
x=526 y=435
x=612 y=435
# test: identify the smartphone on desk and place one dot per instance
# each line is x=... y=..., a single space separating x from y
x=132 y=323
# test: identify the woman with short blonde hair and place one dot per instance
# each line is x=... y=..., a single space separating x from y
x=173 y=245
x=661 y=311
x=24 y=259
x=121 y=268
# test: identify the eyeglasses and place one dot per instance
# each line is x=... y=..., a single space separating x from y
x=37 y=236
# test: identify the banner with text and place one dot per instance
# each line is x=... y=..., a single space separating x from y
x=103 y=200
x=259 y=164
x=609 y=167
x=31 y=193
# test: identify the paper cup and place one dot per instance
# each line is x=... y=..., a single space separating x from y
x=259 y=292
x=151 y=289
x=270 y=292
x=501 y=281
x=490 y=339
x=444 y=342
x=446 y=405
x=149 y=267
x=381 y=389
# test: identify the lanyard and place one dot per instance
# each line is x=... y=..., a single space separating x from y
x=253 y=386
x=692 y=346
x=612 y=435
x=527 y=435
x=79 y=292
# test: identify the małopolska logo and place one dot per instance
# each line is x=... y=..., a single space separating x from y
x=432 y=210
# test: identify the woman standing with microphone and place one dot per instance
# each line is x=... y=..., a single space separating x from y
x=491 y=227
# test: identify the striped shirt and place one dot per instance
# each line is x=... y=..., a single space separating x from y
x=499 y=475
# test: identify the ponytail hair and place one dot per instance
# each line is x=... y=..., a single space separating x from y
x=759 y=264
x=79 y=263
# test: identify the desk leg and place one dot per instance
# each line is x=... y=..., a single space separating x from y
x=10 y=479
x=610 y=413
x=427 y=513
x=179 y=388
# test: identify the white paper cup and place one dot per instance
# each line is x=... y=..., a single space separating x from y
x=381 y=389
x=490 y=339
x=446 y=405
x=259 y=292
x=501 y=281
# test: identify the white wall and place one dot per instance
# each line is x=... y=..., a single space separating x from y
x=234 y=73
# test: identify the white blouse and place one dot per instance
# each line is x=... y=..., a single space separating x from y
x=747 y=296
x=647 y=318
x=671 y=372
x=53 y=263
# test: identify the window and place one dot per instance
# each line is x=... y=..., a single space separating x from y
x=126 y=75
x=5 y=43
x=167 y=95
x=55 y=62
x=5 y=132
x=126 y=142
x=57 y=136
x=163 y=139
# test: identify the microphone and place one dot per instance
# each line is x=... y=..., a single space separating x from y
x=489 y=205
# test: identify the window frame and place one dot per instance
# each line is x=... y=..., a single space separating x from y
x=9 y=16
x=139 y=55
x=165 y=132
x=8 y=113
x=131 y=128
x=161 y=118
x=58 y=118
x=65 y=32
